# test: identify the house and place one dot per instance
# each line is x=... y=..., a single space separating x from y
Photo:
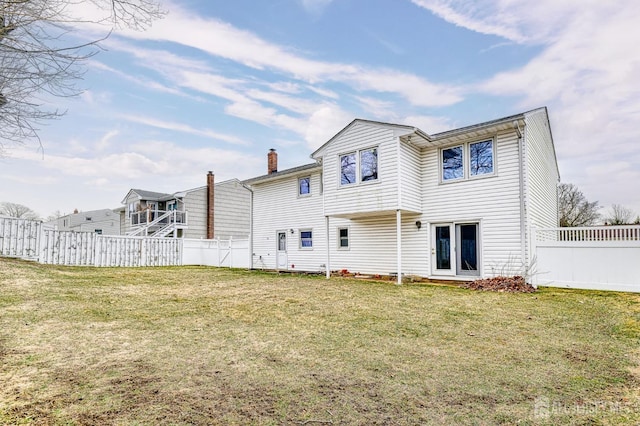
x=217 y=210
x=390 y=199
x=103 y=221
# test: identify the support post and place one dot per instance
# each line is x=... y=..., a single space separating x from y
x=328 y=261
x=399 y=244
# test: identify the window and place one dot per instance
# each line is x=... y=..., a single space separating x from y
x=348 y=169
x=467 y=161
x=304 y=186
x=481 y=158
x=452 y=163
x=306 y=239
x=363 y=163
x=343 y=238
x=88 y=218
x=98 y=231
x=369 y=164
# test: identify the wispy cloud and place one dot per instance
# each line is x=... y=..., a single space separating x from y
x=243 y=47
x=184 y=128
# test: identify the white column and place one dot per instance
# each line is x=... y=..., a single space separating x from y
x=399 y=243
x=327 y=263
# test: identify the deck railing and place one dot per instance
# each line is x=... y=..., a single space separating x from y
x=147 y=216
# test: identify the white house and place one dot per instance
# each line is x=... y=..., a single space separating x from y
x=103 y=221
x=391 y=199
x=217 y=210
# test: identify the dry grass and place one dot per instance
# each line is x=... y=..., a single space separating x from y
x=197 y=345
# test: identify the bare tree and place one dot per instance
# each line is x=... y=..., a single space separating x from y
x=575 y=209
x=18 y=211
x=619 y=215
x=40 y=56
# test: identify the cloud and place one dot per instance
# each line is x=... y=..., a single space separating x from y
x=221 y=39
x=184 y=128
x=324 y=124
x=315 y=7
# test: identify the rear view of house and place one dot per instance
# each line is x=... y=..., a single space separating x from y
x=217 y=210
x=391 y=199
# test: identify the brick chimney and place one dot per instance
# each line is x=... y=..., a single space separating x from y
x=272 y=161
x=210 y=204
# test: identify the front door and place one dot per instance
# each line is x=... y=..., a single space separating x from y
x=281 y=241
x=442 y=249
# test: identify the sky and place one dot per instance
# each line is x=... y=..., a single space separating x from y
x=215 y=84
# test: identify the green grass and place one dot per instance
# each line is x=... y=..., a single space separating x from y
x=197 y=345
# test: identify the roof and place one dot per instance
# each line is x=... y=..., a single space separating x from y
x=149 y=195
x=288 y=172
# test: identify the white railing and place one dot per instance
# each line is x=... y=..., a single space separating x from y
x=595 y=233
x=147 y=220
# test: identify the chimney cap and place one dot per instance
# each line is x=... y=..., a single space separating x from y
x=272 y=150
x=209 y=172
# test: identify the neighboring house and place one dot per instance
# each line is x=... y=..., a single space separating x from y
x=104 y=221
x=390 y=199
x=215 y=210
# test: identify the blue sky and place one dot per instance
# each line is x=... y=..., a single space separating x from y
x=215 y=84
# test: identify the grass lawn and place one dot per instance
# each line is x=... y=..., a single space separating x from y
x=198 y=345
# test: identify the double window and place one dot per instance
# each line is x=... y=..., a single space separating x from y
x=359 y=166
x=467 y=161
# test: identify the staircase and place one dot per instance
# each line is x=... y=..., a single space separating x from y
x=163 y=225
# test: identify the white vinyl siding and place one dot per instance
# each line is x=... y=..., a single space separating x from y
x=493 y=202
x=278 y=207
x=542 y=174
x=195 y=203
x=410 y=178
x=232 y=210
x=361 y=197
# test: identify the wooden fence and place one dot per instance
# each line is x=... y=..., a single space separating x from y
x=28 y=239
x=594 y=258
x=20 y=237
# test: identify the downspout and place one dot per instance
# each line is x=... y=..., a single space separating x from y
x=248 y=188
x=523 y=222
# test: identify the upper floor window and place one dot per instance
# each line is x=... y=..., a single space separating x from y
x=348 y=169
x=369 y=164
x=452 y=163
x=481 y=158
x=362 y=164
x=467 y=161
x=304 y=185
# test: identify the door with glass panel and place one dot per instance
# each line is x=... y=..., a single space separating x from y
x=467 y=258
x=455 y=249
x=281 y=241
x=442 y=249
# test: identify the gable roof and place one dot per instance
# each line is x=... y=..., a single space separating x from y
x=408 y=129
x=284 y=173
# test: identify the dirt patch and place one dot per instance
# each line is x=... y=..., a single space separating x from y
x=514 y=284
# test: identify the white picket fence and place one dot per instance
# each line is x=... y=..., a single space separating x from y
x=594 y=258
x=28 y=239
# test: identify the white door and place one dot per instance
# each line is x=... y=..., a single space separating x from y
x=281 y=241
x=443 y=259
